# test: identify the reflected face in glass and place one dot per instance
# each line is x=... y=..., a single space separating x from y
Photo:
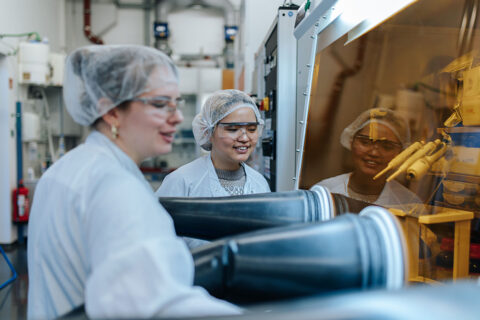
x=370 y=156
x=234 y=138
x=145 y=130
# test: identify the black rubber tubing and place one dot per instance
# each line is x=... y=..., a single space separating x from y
x=298 y=260
x=213 y=218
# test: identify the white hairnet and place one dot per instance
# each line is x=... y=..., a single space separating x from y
x=99 y=78
x=219 y=105
x=387 y=117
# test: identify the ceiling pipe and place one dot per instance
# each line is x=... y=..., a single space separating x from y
x=146 y=5
x=87 y=27
x=229 y=11
x=231 y=21
x=162 y=9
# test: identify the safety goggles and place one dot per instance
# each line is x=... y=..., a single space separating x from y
x=166 y=104
x=236 y=130
x=382 y=144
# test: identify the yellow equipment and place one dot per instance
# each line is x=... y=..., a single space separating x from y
x=426 y=149
x=420 y=167
x=400 y=158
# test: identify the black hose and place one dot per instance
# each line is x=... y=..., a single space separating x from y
x=350 y=251
x=213 y=218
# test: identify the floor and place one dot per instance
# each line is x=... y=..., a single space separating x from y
x=13 y=297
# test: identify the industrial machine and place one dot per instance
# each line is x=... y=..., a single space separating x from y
x=419 y=58
x=275 y=79
x=349 y=60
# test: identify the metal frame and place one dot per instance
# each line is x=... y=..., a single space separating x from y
x=286 y=101
x=286 y=95
x=326 y=23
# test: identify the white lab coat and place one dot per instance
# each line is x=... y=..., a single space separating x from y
x=98 y=236
x=393 y=193
x=199 y=179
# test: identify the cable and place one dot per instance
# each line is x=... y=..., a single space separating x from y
x=14 y=276
x=17 y=35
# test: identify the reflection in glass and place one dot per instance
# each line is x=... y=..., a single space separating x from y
x=423 y=63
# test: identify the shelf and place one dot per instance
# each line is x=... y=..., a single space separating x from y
x=452 y=215
x=458 y=177
x=425 y=280
x=460 y=130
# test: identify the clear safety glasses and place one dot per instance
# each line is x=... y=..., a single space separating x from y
x=166 y=104
x=384 y=145
x=236 y=130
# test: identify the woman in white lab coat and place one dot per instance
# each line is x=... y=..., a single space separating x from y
x=229 y=126
x=98 y=236
x=374 y=139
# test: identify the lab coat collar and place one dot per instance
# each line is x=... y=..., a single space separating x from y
x=214 y=182
x=215 y=186
x=99 y=139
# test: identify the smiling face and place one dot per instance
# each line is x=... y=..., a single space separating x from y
x=144 y=130
x=229 y=151
x=370 y=157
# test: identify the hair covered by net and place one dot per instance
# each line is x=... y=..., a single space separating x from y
x=99 y=78
x=219 y=105
x=391 y=119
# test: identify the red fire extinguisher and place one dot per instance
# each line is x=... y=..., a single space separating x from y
x=21 y=205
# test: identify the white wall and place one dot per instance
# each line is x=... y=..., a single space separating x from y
x=18 y=16
x=203 y=34
x=41 y=16
x=6 y=166
x=112 y=25
x=191 y=31
x=256 y=19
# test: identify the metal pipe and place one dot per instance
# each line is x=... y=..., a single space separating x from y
x=18 y=124
x=87 y=27
x=147 y=23
x=229 y=12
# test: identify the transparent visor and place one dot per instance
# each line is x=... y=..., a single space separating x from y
x=163 y=104
x=237 y=130
x=383 y=144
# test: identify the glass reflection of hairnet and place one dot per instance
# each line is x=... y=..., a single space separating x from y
x=99 y=78
x=387 y=117
x=219 y=105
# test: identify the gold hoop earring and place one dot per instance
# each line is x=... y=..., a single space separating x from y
x=114 y=132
